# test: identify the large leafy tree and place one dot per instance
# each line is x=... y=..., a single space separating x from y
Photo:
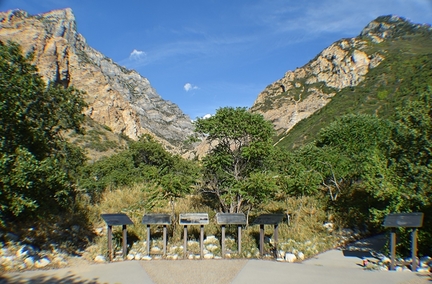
x=235 y=168
x=410 y=156
x=37 y=166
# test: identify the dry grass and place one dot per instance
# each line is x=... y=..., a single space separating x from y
x=303 y=232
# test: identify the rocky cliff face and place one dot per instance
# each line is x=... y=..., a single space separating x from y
x=118 y=98
x=345 y=63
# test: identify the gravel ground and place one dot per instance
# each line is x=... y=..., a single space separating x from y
x=193 y=271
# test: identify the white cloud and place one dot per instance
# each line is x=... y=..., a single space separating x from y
x=207 y=116
x=137 y=54
x=189 y=86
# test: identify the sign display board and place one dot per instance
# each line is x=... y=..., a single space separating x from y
x=409 y=220
x=116 y=219
x=231 y=219
x=268 y=219
x=194 y=219
x=156 y=219
x=406 y=220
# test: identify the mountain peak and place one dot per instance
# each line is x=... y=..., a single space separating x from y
x=390 y=26
x=118 y=98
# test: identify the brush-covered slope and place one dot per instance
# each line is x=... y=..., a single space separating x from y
x=372 y=73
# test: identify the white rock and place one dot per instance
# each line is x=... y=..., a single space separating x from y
x=25 y=251
x=100 y=258
x=157 y=257
x=197 y=256
x=217 y=257
x=290 y=257
x=208 y=256
x=281 y=253
x=300 y=255
x=42 y=262
x=212 y=247
x=99 y=231
x=211 y=240
x=191 y=243
x=423 y=269
x=146 y=257
x=155 y=250
x=138 y=256
x=280 y=259
x=329 y=226
x=130 y=256
x=191 y=256
x=175 y=256
x=29 y=261
x=385 y=260
x=398 y=268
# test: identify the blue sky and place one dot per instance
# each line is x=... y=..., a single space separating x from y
x=207 y=54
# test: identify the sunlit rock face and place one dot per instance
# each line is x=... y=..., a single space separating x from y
x=117 y=97
x=343 y=64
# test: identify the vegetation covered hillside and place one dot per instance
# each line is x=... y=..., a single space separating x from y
x=405 y=72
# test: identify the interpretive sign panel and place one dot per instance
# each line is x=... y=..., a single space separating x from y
x=231 y=219
x=116 y=219
x=194 y=219
x=268 y=219
x=409 y=220
x=156 y=219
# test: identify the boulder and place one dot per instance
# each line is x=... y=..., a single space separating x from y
x=290 y=257
x=208 y=256
x=100 y=258
x=42 y=262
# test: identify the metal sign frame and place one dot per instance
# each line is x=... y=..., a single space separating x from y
x=157 y=219
x=404 y=220
x=268 y=219
x=120 y=219
x=186 y=219
x=224 y=219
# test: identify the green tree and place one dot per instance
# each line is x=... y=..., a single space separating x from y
x=174 y=174
x=240 y=143
x=36 y=164
x=410 y=156
x=145 y=161
x=295 y=178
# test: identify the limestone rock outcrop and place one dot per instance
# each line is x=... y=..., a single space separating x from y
x=117 y=97
x=345 y=63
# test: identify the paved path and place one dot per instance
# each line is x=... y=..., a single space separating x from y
x=334 y=266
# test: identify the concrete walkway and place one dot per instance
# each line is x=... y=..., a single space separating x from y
x=334 y=266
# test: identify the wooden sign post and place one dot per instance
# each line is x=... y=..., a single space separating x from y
x=268 y=219
x=407 y=220
x=193 y=219
x=224 y=219
x=112 y=220
x=157 y=219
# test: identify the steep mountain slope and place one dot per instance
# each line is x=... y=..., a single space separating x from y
x=118 y=98
x=365 y=74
